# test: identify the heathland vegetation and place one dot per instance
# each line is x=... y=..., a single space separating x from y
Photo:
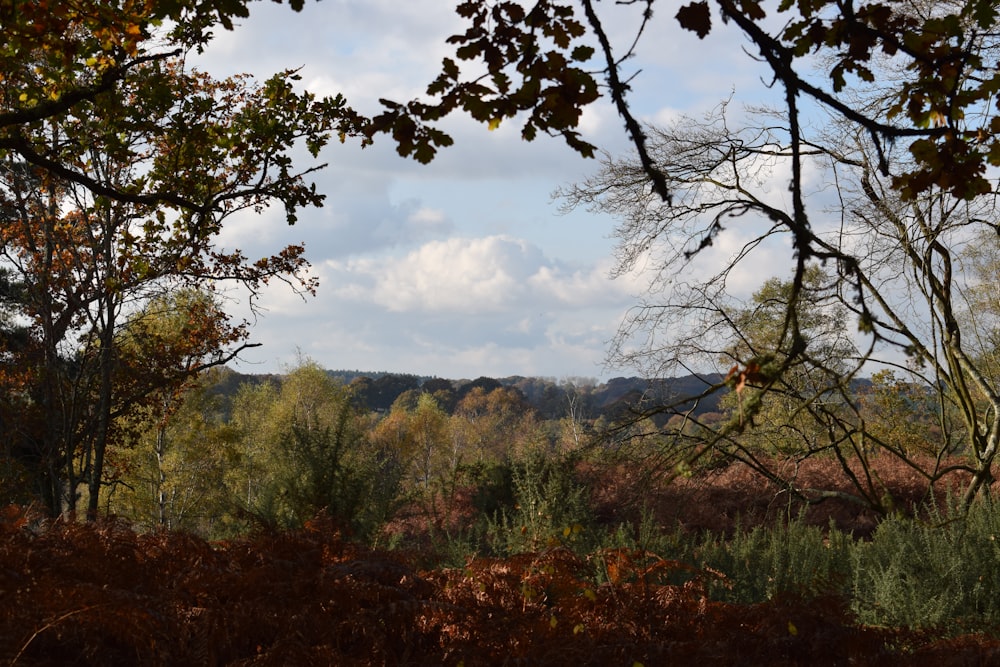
x=821 y=495
x=345 y=518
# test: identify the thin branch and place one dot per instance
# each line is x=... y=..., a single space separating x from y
x=618 y=91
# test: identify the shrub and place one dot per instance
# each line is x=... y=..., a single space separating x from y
x=550 y=507
x=764 y=563
x=331 y=470
x=926 y=574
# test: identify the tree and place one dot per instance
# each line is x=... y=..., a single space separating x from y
x=443 y=392
x=303 y=449
x=172 y=473
x=162 y=359
x=249 y=481
x=380 y=394
x=493 y=426
x=109 y=68
x=895 y=236
x=118 y=168
x=90 y=58
x=921 y=142
x=900 y=415
x=939 y=105
x=421 y=438
x=529 y=64
x=792 y=416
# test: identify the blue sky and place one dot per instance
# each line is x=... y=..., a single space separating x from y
x=464 y=267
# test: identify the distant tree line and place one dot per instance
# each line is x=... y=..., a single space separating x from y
x=550 y=397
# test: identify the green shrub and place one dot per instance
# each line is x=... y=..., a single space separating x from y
x=550 y=507
x=494 y=487
x=649 y=535
x=765 y=562
x=332 y=470
x=941 y=573
x=931 y=574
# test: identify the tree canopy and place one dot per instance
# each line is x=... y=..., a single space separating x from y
x=889 y=108
x=120 y=163
x=537 y=64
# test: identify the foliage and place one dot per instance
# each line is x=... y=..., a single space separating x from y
x=941 y=573
x=303 y=450
x=380 y=393
x=149 y=140
x=903 y=247
x=767 y=562
x=901 y=415
x=279 y=455
x=495 y=425
x=945 y=78
x=418 y=435
x=118 y=167
x=790 y=409
x=535 y=63
x=784 y=594
x=248 y=478
x=531 y=73
x=172 y=476
x=549 y=507
x=530 y=63
x=98 y=593
x=328 y=471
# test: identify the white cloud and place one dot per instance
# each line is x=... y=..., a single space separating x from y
x=459 y=268
x=463 y=276
x=456 y=275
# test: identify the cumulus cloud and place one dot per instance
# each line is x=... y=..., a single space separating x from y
x=461 y=308
x=459 y=268
x=474 y=276
x=459 y=275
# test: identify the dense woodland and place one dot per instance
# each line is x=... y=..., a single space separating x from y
x=396 y=456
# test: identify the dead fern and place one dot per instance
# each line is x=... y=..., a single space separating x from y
x=76 y=594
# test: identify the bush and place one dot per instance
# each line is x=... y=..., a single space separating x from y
x=551 y=507
x=756 y=565
x=928 y=574
x=764 y=563
x=941 y=573
x=331 y=470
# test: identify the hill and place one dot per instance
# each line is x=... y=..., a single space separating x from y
x=553 y=399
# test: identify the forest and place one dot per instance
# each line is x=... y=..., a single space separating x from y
x=801 y=475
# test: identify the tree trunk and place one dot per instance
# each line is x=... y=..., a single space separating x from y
x=104 y=404
x=161 y=477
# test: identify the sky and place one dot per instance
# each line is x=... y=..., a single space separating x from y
x=464 y=267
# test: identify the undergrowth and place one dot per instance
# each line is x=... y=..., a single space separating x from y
x=534 y=576
x=100 y=594
x=939 y=572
